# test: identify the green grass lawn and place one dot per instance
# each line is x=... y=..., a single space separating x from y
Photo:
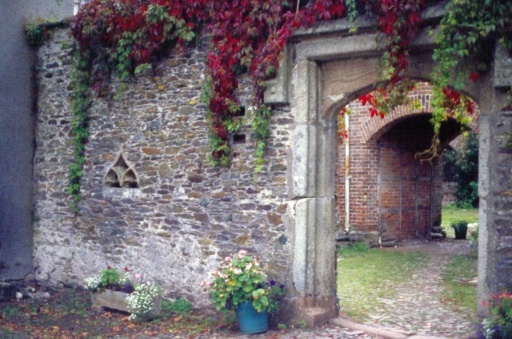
x=452 y=214
x=365 y=275
x=370 y=274
x=459 y=287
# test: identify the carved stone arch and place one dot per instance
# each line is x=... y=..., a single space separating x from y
x=121 y=174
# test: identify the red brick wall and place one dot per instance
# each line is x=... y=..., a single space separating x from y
x=391 y=192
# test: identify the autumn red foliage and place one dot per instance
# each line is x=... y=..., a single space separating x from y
x=246 y=34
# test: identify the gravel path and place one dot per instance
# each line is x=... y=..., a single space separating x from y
x=419 y=308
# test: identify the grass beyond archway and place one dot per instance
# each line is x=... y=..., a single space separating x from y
x=371 y=281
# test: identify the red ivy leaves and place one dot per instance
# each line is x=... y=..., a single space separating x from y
x=246 y=34
x=252 y=34
x=453 y=100
x=375 y=100
x=399 y=20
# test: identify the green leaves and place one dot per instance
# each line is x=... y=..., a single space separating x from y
x=79 y=105
x=240 y=279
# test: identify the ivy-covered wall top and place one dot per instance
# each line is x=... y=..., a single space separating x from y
x=124 y=37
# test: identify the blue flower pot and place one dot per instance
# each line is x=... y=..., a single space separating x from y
x=250 y=320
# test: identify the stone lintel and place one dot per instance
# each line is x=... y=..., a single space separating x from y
x=363 y=23
x=338 y=47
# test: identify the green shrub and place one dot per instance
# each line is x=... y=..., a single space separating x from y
x=181 y=306
x=462 y=167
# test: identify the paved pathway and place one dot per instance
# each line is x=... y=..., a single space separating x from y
x=419 y=308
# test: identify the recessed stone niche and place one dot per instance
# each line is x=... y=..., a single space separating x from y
x=121 y=174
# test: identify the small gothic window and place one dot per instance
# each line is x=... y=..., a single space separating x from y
x=121 y=174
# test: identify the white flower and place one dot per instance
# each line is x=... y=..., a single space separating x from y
x=124 y=278
x=140 y=302
x=92 y=283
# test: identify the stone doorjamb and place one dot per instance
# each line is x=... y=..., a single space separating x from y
x=312 y=160
x=312 y=169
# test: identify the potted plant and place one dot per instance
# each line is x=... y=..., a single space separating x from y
x=241 y=285
x=461 y=229
x=499 y=324
x=119 y=291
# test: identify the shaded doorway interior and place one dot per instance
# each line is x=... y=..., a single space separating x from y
x=399 y=194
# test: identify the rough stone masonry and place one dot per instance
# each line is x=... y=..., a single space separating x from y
x=151 y=202
x=182 y=216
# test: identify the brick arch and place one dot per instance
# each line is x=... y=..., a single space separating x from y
x=373 y=128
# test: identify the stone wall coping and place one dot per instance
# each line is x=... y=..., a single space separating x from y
x=363 y=23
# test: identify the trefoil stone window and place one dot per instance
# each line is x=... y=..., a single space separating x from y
x=121 y=174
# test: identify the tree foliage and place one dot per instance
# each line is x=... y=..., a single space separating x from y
x=462 y=168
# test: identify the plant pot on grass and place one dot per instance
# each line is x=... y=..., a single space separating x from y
x=461 y=230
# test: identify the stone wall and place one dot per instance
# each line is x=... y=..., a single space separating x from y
x=17 y=131
x=179 y=216
x=183 y=215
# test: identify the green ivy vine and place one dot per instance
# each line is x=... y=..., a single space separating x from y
x=39 y=31
x=123 y=37
x=80 y=103
x=464 y=50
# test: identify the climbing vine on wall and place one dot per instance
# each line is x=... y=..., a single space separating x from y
x=80 y=103
x=249 y=36
x=464 y=51
x=400 y=22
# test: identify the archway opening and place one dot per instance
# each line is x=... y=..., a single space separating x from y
x=394 y=197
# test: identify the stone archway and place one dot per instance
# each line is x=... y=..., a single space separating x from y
x=324 y=69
